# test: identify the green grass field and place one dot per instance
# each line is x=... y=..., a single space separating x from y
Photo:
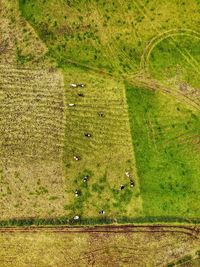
x=166 y=141
x=139 y=61
x=176 y=59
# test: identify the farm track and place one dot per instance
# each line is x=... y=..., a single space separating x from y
x=91 y=68
x=188 y=230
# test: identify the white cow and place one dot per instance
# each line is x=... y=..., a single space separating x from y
x=73 y=85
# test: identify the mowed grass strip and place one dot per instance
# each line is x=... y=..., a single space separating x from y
x=31 y=143
x=32 y=126
x=166 y=141
x=106 y=155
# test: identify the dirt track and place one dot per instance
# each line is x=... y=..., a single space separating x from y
x=189 y=230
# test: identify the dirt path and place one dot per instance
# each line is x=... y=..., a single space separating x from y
x=191 y=230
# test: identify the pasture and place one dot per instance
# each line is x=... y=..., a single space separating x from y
x=166 y=141
x=135 y=120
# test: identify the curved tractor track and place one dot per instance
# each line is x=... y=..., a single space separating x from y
x=144 y=78
x=159 y=38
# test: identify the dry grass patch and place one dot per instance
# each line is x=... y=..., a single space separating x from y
x=32 y=139
x=95 y=249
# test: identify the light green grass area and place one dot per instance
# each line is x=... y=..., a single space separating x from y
x=176 y=59
x=166 y=140
x=109 y=35
x=106 y=156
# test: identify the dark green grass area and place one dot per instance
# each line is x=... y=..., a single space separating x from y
x=187 y=261
x=94 y=221
x=165 y=136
